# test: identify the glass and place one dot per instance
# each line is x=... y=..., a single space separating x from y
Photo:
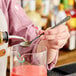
x=28 y=64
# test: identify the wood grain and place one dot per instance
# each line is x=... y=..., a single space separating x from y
x=66 y=57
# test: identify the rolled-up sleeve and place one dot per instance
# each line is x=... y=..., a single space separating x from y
x=19 y=23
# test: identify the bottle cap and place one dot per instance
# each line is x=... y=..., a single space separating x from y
x=1 y=38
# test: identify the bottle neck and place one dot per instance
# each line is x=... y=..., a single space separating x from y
x=56 y=10
x=66 y=6
x=3 y=37
x=61 y=7
x=32 y=5
x=46 y=8
x=71 y=4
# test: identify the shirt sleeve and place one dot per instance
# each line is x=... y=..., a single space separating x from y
x=19 y=23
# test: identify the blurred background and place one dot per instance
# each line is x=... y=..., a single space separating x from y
x=47 y=13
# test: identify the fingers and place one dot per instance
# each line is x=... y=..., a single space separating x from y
x=56 y=37
x=57 y=30
x=50 y=31
x=41 y=31
x=50 y=37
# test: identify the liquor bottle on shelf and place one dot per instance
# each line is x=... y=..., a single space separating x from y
x=65 y=2
x=71 y=45
x=72 y=25
x=61 y=5
x=33 y=15
x=66 y=9
x=56 y=4
x=44 y=12
x=61 y=13
x=39 y=6
x=75 y=21
x=54 y=10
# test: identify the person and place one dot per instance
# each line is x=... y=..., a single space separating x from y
x=19 y=24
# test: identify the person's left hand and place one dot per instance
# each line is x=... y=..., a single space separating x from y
x=54 y=39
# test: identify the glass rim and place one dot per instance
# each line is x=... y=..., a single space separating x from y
x=31 y=53
x=15 y=51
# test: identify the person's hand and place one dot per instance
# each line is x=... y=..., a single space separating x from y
x=54 y=39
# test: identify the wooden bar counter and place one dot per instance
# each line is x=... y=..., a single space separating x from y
x=65 y=57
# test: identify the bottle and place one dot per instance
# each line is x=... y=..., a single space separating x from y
x=56 y=5
x=72 y=25
x=72 y=45
x=75 y=20
x=3 y=45
x=3 y=37
x=39 y=6
x=61 y=5
x=65 y=2
x=45 y=14
x=70 y=11
x=54 y=10
x=61 y=13
x=33 y=15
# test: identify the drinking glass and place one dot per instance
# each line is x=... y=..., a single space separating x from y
x=28 y=64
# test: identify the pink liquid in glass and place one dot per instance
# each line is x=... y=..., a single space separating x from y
x=29 y=70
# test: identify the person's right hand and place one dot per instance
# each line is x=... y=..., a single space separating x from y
x=54 y=39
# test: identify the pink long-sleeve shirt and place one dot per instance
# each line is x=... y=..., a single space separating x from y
x=20 y=25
